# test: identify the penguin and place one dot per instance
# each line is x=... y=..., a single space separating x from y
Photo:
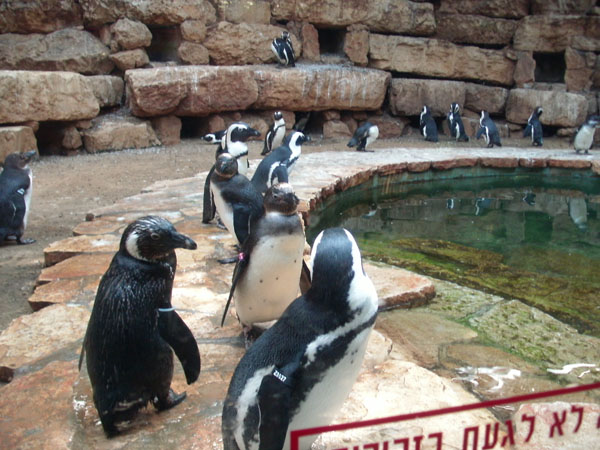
x=299 y=372
x=455 y=124
x=234 y=143
x=267 y=274
x=301 y=122
x=235 y=198
x=279 y=163
x=214 y=138
x=428 y=125
x=133 y=328
x=488 y=129
x=283 y=50
x=534 y=127
x=275 y=135
x=585 y=136
x=363 y=136
x=16 y=189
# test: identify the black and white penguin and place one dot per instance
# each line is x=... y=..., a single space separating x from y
x=235 y=198
x=585 y=136
x=234 y=143
x=299 y=372
x=488 y=129
x=428 y=125
x=276 y=133
x=363 y=136
x=277 y=165
x=534 y=127
x=214 y=138
x=133 y=328
x=16 y=188
x=455 y=123
x=267 y=274
x=283 y=50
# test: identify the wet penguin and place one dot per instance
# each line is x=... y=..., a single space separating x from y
x=427 y=125
x=299 y=372
x=488 y=129
x=275 y=135
x=283 y=50
x=267 y=275
x=455 y=123
x=16 y=188
x=235 y=198
x=534 y=127
x=363 y=136
x=234 y=143
x=133 y=328
x=214 y=138
x=585 y=136
x=277 y=165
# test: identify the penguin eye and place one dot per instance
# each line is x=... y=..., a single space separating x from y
x=155 y=236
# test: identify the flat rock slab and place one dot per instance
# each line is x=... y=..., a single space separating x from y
x=67 y=248
x=192 y=90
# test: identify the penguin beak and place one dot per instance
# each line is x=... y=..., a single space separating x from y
x=253 y=132
x=30 y=154
x=182 y=241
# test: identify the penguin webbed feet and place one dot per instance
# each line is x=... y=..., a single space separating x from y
x=25 y=241
x=172 y=399
x=251 y=334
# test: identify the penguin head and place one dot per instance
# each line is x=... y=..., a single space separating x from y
x=285 y=35
x=592 y=121
x=538 y=111
x=153 y=239
x=19 y=160
x=214 y=138
x=239 y=132
x=226 y=165
x=455 y=108
x=281 y=198
x=424 y=111
x=338 y=276
x=277 y=115
x=297 y=138
x=484 y=115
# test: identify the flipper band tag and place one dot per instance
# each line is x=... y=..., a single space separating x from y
x=281 y=377
x=166 y=309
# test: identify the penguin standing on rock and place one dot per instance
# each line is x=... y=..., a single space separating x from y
x=133 y=328
x=363 y=136
x=267 y=274
x=279 y=163
x=235 y=198
x=299 y=372
x=283 y=50
x=534 y=127
x=275 y=135
x=455 y=123
x=585 y=136
x=488 y=129
x=234 y=143
x=428 y=125
x=16 y=188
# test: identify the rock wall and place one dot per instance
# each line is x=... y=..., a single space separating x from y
x=86 y=68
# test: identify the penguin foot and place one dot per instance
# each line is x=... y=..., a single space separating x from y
x=251 y=334
x=228 y=260
x=172 y=399
x=25 y=241
x=221 y=225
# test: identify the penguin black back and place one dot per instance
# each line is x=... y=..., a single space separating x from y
x=534 y=127
x=283 y=50
x=428 y=125
x=455 y=124
x=275 y=134
x=363 y=136
x=133 y=328
x=488 y=129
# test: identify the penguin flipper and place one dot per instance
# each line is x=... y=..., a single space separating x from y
x=479 y=132
x=274 y=398
x=209 y=210
x=528 y=130
x=305 y=278
x=176 y=333
x=240 y=268
x=241 y=222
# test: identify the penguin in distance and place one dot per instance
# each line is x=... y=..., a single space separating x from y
x=267 y=275
x=363 y=136
x=585 y=136
x=16 y=189
x=133 y=329
x=488 y=129
x=275 y=135
x=283 y=50
x=428 y=125
x=214 y=138
x=534 y=127
x=455 y=123
x=277 y=165
x=235 y=198
x=299 y=372
x=234 y=143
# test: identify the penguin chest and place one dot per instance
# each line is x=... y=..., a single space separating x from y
x=271 y=280
x=583 y=139
x=27 y=197
x=224 y=209
x=243 y=164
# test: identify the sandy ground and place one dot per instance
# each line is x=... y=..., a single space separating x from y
x=66 y=188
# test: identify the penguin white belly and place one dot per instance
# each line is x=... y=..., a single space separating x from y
x=224 y=209
x=243 y=165
x=271 y=280
x=28 y=194
x=324 y=401
x=373 y=134
x=583 y=139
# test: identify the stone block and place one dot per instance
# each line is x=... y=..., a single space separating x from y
x=310 y=42
x=130 y=59
x=356 y=44
x=393 y=16
x=107 y=89
x=561 y=6
x=471 y=29
x=193 y=53
x=493 y=8
x=333 y=129
x=45 y=96
x=130 y=34
x=479 y=97
x=115 y=132
x=16 y=139
x=524 y=69
x=437 y=58
x=407 y=96
x=257 y=11
x=554 y=33
x=562 y=109
x=193 y=30
x=39 y=16
x=580 y=69
x=389 y=127
x=168 y=129
x=238 y=44
x=69 y=50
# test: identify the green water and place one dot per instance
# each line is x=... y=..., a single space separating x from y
x=532 y=236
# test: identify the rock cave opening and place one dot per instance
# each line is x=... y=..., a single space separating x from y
x=331 y=41
x=550 y=67
x=164 y=45
x=193 y=127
